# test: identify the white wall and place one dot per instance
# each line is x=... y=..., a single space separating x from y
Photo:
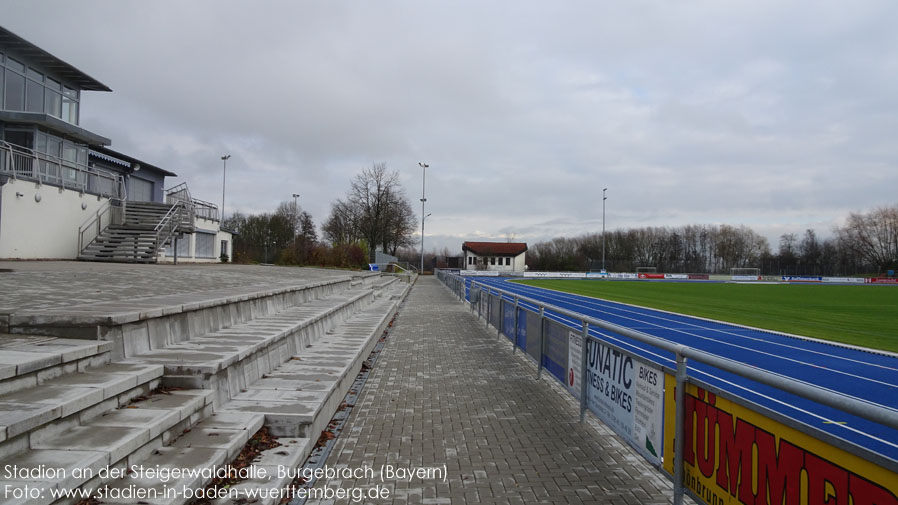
x=42 y=230
x=517 y=263
x=208 y=226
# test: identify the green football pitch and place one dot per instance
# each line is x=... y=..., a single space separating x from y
x=860 y=315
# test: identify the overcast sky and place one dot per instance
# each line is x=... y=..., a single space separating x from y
x=779 y=115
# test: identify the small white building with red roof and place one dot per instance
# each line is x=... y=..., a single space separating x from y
x=494 y=256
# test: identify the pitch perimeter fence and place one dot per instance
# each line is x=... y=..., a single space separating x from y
x=716 y=446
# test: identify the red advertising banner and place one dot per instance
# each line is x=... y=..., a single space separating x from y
x=882 y=280
x=651 y=276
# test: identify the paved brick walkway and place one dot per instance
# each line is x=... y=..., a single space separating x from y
x=447 y=394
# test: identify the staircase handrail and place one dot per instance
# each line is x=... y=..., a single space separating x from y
x=169 y=225
x=181 y=194
x=114 y=208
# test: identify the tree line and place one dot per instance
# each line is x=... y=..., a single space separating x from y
x=867 y=243
x=375 y=213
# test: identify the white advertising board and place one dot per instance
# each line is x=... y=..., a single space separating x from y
x=556 y=275
x=628 y=395
x=480 y=273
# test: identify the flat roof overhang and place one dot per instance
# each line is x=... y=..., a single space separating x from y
x=55 y=124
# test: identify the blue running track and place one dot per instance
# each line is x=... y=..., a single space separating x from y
x=865 y=375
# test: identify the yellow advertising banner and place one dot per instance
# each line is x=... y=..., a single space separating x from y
x=733 y=455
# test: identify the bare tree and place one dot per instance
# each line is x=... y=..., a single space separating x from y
x=376 y=210
x=342 y=226
x=874 y=236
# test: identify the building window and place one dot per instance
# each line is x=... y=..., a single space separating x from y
x=507 y=261
x=470 y=260
x=34 y=96
x=183 y=247
x=70 y=105
x=493 y=260
x=14 y=94
x=205 y=245
x=53 y=98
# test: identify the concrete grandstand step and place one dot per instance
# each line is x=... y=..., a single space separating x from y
x=268 y=490
x=118 y=438
x=226 y=360
x=152 y=322
x=26 y=415
x=227 y=343
x=26 y=359
x=299 y=397
x=212 y=442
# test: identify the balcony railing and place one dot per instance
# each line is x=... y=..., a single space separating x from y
x=205 y=210
x=20 y=162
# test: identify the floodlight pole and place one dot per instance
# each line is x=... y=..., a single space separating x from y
x=295 y=218
x=603 y=227
x=224 y=178
x=423 y=217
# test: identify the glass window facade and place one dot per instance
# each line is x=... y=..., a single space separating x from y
x=14 y=94
x=23 y=88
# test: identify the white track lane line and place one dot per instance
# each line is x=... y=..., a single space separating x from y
x=571 y=323
x=613 y=305
x=731 y=344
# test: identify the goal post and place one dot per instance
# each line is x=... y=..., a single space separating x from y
x=745 y=274
x=646 y=270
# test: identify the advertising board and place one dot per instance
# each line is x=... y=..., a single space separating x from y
x=627 y=394
x=734 y=455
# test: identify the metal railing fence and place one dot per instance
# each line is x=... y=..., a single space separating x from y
x=205 y=210
x=21 y=162
x=494 y=305
x=112 y=212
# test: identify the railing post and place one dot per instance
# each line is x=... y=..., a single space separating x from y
x=679 y=427
x=584 y=345
x=542 y=341
x=501 y=317
x=514 y=340
x=489 y=306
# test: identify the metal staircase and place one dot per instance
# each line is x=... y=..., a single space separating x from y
x=139 y=229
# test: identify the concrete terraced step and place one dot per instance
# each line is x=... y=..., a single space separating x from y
x=26 y=359
x=117 y=439
x=228 y=359
x=213 y=442
x=153 y=322
x=84 y=419
x=55 y=404
x=299 y=397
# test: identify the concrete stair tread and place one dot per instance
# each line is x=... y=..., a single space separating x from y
x=180 y=458
x=213 y=441
x=117 y=442
x=216 y=351
x=185 y=402
x=28 y=409
x=117 y=436
x=263 y=491
x=23 y=354
x=67 y=461
x=299 y=396
x=123 y=312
